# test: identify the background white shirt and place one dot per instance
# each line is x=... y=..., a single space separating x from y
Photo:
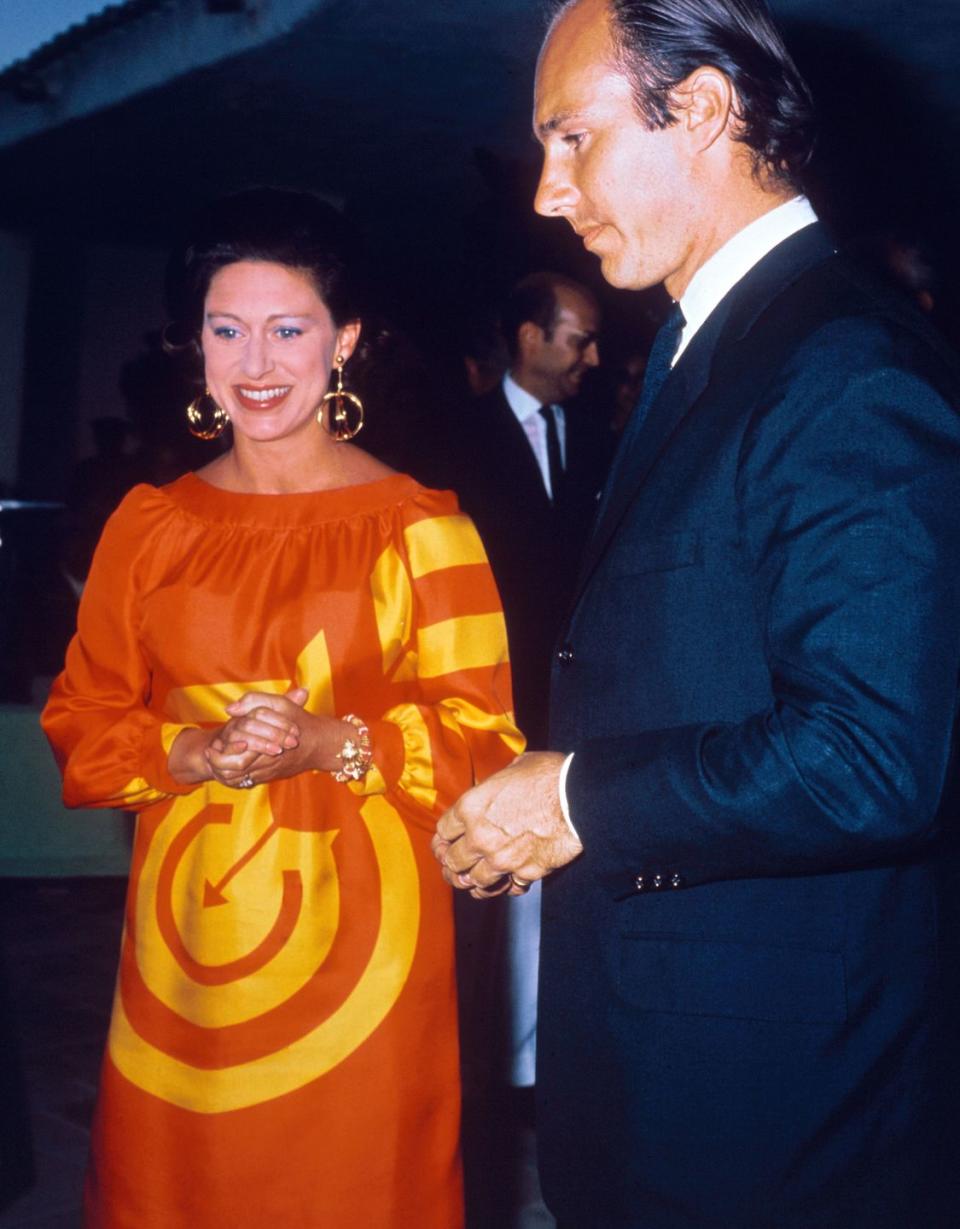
x=527 y=410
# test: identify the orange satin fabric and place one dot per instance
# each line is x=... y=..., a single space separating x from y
x=283 y=1042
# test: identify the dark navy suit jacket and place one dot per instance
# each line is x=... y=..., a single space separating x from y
x=739 y=976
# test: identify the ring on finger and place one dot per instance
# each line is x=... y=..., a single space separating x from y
x=246 y=782
x=522 y=884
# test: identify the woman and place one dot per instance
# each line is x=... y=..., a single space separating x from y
x=290 y=663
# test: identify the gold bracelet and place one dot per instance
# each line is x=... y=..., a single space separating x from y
x=356 y=755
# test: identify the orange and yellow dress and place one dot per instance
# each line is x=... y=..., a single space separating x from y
x=283 y=1044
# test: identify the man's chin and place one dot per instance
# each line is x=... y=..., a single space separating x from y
x=615 y=272
x=619 y=271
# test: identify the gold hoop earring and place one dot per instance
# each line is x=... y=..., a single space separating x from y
x=195 y=418
x=343 y=405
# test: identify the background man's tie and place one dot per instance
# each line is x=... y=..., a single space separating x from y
x=554 y=460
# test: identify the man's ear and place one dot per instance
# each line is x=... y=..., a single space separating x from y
x=705 y=104
x=529 y=337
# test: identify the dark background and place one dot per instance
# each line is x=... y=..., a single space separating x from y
x=414 y=114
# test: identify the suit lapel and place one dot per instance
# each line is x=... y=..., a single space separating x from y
x=728 y=323
x=679 y=393
x=514 y=457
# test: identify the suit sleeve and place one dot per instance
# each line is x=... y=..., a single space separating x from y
x=111 y=749
x=452 y=724
x=849 y=499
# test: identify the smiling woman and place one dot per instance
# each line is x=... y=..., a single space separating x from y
x=269 y=344
x=283 y=1041
x=263 y=287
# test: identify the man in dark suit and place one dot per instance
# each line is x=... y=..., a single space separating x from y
x=752 y=708
x=528 y=467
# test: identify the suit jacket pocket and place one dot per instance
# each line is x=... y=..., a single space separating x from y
x=678 y=550
x=742 y=981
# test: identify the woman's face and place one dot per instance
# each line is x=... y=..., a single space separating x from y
x=268 y=347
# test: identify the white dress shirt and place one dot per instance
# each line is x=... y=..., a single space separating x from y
x=735 y=259
x=527 y=410
x=708 y=286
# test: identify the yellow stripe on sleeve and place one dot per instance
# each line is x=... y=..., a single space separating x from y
x=137 y=791
x=464 y=643
x=417 y=777
x=392 y=604
x=442 y=542
x=458 y=714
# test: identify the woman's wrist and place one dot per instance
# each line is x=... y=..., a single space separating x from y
x=355 y=754
x=321 y=741
x=186 y=762
x=343 y=746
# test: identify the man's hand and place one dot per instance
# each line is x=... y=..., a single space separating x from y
x=510 y=830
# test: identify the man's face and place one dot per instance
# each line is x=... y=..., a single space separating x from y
x=560 y=357
x=626 y=190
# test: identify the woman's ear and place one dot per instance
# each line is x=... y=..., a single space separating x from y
x=347 y=337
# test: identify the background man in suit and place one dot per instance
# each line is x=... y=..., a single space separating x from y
x=741 y=958
x=527 y=466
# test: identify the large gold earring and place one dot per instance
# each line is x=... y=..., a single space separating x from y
x=195 y=418
x=343 y=406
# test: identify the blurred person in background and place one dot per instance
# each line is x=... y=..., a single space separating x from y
x=527 y=466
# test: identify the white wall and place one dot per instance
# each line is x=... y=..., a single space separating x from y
x=14 y=288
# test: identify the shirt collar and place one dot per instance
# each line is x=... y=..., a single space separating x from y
x=520 y=401
x=735 y=259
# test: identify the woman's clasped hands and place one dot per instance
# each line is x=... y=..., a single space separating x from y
x=260 y=740
x=266 y=737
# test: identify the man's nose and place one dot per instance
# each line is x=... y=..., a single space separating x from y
x=591 y=355
x=555 y=195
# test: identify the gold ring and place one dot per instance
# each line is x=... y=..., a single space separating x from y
x=522 y=884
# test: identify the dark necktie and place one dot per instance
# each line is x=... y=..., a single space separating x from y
x=658 y=365
x=553 y=452
x=658 y=368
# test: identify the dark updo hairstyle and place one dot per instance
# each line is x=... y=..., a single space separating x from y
x=279 y=225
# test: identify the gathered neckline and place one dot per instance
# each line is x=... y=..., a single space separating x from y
x=201 y=498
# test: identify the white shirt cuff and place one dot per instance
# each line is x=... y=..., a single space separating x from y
x=562 y=789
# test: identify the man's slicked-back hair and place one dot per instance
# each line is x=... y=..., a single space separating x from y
x=534 y=298
x=661 y=42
